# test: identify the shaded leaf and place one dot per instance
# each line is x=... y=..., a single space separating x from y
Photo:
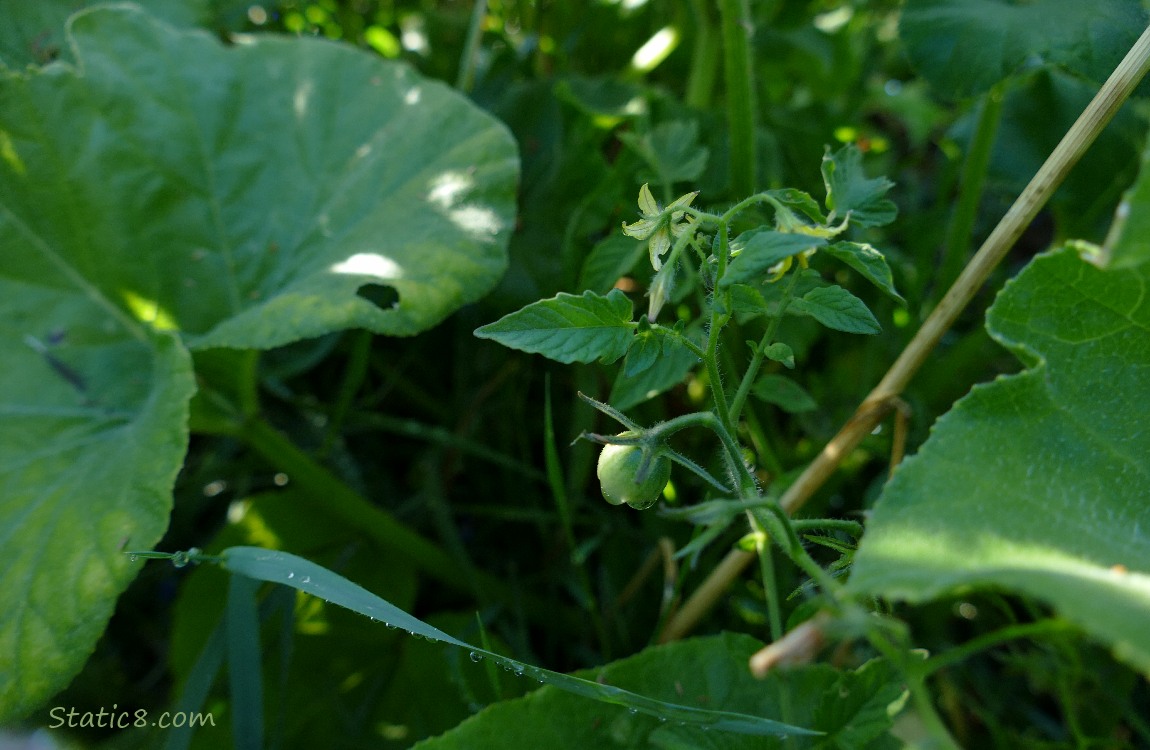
x=85 y=472
x=837 y=308
x=1037 y=482
x=759 y=250
x=869 y=262
x=667 y=371
x=1128 y=243
x=784 y=393
x=671 y=150
x=850 y=191
x=645 y=349
x=852 y=708
x=612 y=258
x=568 y=328
x=963 y=47
x=799 y=201
x=32 y=33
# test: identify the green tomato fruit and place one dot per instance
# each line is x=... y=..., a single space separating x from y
x=618 y=465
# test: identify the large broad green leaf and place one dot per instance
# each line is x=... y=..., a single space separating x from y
x=32 y=33
x=93 y=429
x=243 y=197
x=1037 y=482
x=963 y=47
x=852 y=709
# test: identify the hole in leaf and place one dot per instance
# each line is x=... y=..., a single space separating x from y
x=382 y=296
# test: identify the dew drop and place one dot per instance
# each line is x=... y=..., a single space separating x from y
x=476 y=657
x=306 y=579
x=133 y=557
x=179 y=559
x=291 y=575
x=633 y=711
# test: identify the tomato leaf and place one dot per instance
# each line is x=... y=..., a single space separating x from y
x=568 y=328
x=611 y=258
x=783 y=393
x=869 y=262
x=850 y=191
x=837 y=308
x=760 y=249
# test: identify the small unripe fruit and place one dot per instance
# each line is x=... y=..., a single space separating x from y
x=617 y=469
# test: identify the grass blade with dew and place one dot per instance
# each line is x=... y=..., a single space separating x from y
x=288 y=569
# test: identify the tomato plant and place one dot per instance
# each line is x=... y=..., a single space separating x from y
x=356 y=309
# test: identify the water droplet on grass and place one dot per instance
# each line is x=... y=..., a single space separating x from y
x=476 y=657
x=291 y=575
x=133 y=557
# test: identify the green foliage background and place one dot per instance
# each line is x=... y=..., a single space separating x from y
x=372 y=433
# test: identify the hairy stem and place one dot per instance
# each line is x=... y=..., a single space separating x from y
x=757 y=360
x=718 y=320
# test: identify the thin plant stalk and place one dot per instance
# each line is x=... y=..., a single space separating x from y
x=736 y=30
x=704 y=58
x=470 y=57
x=974 y=169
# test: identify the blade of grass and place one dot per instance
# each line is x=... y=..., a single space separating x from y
x=488 y=665
x=196 y=688
x=287 y=569
x=245 y=675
